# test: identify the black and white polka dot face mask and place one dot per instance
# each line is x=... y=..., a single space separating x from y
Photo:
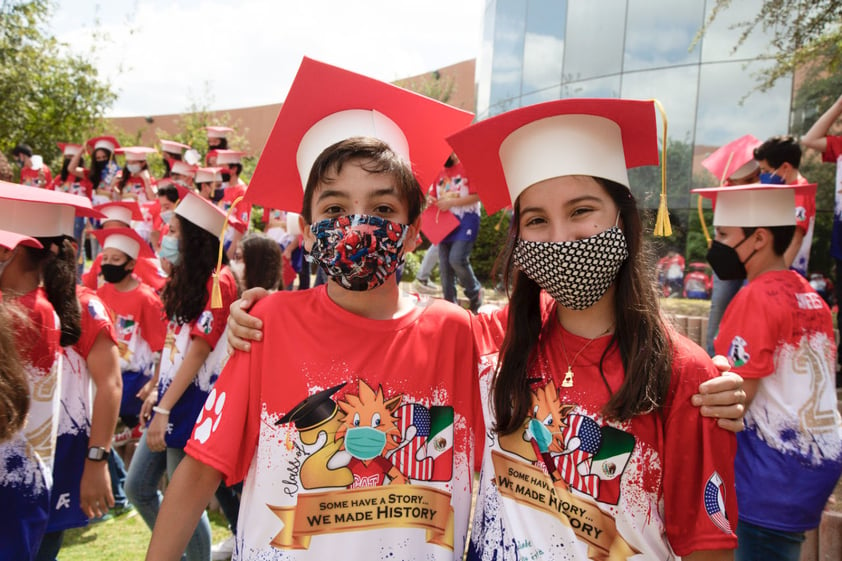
x=577 y=273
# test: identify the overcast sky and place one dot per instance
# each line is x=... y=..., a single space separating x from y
x=164 y=55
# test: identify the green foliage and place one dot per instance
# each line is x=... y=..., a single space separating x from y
x=490 y=242
x=47 y=93
x=412 y=262
x=804 y=32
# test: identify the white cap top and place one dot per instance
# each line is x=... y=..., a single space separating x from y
x=115 y=212
x=346 y=124
x=218 y=132
x=125 y=244
x=38 y=220
x=104 y=143
x=201 y=213
x=228 y=157
x=182 y=168
x=206 y=175
x=758 y=205
x=590 y=145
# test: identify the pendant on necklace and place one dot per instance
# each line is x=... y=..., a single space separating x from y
x=568 y=378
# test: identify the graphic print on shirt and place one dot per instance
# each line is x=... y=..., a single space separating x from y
x=365 y=459
x=577 y=454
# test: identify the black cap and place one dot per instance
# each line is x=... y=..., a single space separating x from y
x=22 y=149
x=314 y=410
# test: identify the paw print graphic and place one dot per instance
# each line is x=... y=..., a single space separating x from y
x=210 y=416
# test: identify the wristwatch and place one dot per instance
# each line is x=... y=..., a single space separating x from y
x=97 y=453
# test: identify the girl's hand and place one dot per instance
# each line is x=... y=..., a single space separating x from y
x=156 y=432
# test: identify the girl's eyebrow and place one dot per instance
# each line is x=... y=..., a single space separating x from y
x=571 y=202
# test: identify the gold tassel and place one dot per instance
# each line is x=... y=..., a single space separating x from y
x=216 y=292
x=663 y=228
x=702 y=220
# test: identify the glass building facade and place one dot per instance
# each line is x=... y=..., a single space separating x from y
x=541 y=50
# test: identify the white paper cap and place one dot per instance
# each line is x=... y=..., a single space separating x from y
x=201 y=213
x=104 y=143
x=182 y=168
x=116 y=212
x=71 y=149
x=206 y=175
x=228 y=157
x=293 y=227
x=124 y=243
x=347 y=124
x=37 y=220
x=744 y=170
x=755 y=208
x=563 y=145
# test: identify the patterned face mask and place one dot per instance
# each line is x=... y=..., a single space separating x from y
x=358 y=251
x=576 y=274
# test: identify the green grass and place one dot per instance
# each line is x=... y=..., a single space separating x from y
x=123 y=538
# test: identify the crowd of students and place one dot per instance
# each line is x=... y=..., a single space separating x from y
x=352 y=416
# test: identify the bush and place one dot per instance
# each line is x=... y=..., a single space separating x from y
x=490 y=241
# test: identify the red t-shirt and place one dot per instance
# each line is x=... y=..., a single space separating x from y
x=147 y=269
x=32 y=177
x=657 y=484
x=141 y=324
x=416 y=400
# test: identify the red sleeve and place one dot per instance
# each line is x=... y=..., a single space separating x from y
x=698 y=461
x=833 y=150
x=211 y=323
x=153 y=323
x=228 y=427
x=805 y=211
x=95 y=320
x=750 y=351
x=89 y=279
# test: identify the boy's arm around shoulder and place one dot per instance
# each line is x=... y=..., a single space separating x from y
x=696 y=454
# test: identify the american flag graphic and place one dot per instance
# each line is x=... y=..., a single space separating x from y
x=590 y=439
x=406 y=458
x=715 y=503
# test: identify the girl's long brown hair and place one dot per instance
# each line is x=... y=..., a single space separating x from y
x=14 y=386
x=640 y=334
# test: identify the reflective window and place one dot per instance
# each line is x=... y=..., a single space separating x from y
x=543 y=48
x=721 y=37
x=599 y=87
x=547 y=94
x=675 y=88
x=659 y=33
x=594 y=39
x=725 y=112
x=507 y=65
x=483 y=67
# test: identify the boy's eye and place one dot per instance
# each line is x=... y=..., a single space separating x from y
x=383 y=209
x=333 y=209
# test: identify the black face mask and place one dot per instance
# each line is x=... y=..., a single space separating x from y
x=217 y=195
x=115 y=273
x=226 y=176
x=725 y=261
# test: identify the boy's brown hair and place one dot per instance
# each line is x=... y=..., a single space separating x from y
x=375 y=156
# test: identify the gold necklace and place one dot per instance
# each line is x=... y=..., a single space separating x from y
x=568 y=376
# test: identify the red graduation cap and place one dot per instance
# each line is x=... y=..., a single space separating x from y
x=327 y=104
x=10 y=240
x=105 y=142
x=126 y=240
x=437 y=224
x=756 y=205
x=173 y=147
x=224 y=157
x=729 y=160
x=215 y=131
x=506 y=154
x=41 y=213
x=68 y=149
x=135 y=153
x=124 y=211
x=180 y=167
